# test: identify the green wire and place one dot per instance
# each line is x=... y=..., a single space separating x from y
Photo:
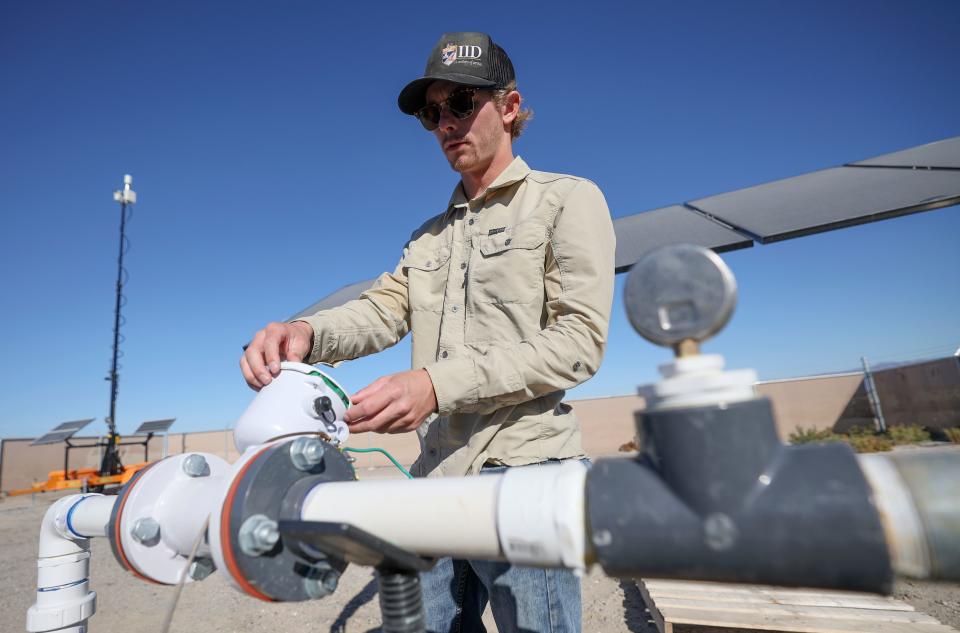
x=380 y=450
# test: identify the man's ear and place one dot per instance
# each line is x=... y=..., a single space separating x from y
x=511 y=106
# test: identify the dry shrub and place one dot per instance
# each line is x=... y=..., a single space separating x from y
x=629 y=447
x=805 y=436
x=953 y=434
x=911 y=434
x=860 y=439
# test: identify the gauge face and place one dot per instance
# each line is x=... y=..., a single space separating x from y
x=679 y=292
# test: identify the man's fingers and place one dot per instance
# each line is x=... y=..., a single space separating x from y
x=368 y=408
x=276 y=335
x=248 y=374
x=380 y=422
x=369 y=390
x=254 y=356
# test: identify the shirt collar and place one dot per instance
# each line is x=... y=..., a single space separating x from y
x=516 y=171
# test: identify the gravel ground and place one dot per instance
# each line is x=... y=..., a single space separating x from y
x=128 y=605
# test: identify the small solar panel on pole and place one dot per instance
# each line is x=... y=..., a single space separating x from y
x=61 y=432
x=151 y=427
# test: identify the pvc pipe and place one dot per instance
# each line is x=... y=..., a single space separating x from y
x=184 y=510
x=89 y=516
x=541 y=515
x=533 y=515
x=64 y=599
x=450 y=516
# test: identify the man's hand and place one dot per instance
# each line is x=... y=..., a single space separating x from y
x=393 y=404
x=260 y=362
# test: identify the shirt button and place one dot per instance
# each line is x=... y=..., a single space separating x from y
x=443 y=354
x=454 y=309
x=433 y=451
x=470 y=222
x=506 y=242
x=429 y=263
x=576 y=366
x=463 y=265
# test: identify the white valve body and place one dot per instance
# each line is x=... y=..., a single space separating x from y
x=286 y=407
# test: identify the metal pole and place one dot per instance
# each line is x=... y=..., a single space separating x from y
x=111 y=464
x=874 y=397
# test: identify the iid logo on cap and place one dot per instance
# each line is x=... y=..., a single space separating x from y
x=462 y=52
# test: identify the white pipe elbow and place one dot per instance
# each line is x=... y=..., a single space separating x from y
x=64 y=600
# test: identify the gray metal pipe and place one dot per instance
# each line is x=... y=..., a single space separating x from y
x=917 y=493
x=715 y=496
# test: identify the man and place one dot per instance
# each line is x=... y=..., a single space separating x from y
x=507 y=293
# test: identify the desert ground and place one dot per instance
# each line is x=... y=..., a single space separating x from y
x=128 y=605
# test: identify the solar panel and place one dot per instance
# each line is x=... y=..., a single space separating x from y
x=641 y=233
x=943 y=154
x=347 y=293
x=831 y=199
x=912 y=180
x=61 y=432
x=154 y=426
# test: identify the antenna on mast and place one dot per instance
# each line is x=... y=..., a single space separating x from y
x=111 y=465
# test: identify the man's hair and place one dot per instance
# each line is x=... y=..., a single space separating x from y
x=523 y=117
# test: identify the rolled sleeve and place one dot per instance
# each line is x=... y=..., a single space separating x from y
x=375 y=321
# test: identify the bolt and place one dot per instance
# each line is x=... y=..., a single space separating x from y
x=319 y=585
x=306 y=452
x=720 y=532
x=201 y=568
x=258 y=535
x=602 y=538
x=196 y=466
x=146 y=531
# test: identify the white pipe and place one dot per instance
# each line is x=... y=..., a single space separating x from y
x=541 y=515
x=530 y=516
x=449 y=516
x=902 y=525
x=89 y=517
x=183 y=511
x=64 y=600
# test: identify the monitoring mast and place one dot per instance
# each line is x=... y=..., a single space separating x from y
x=111 y=457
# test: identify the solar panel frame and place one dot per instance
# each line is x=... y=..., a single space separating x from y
x=339 y=297
x=831 y=199
x=154 y=426
x=641 y=233
x=61 y=432
x=943 y=154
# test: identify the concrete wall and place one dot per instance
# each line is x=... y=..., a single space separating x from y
x=926 y=393
x=818 y=402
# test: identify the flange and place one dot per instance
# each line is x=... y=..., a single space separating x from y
x=160 y=512
x=269 y=485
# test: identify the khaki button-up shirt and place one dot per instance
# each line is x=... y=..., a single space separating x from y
x=508 y=297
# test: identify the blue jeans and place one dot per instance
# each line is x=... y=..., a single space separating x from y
x=522 y=599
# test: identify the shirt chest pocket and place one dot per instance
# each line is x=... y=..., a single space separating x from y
x=509 y=267
x=427 y=279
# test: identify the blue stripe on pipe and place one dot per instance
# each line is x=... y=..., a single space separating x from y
x=70 y=515
x=66 y=586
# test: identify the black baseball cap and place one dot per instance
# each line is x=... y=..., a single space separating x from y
x=470 y=59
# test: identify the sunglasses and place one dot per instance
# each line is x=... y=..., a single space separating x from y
x=461 y=103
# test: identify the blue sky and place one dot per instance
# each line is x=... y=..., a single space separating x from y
x=273 y=167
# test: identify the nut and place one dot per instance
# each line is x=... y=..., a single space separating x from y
x=306 y=453
x=196 y=466
x=201 y=568
x=146 y=531
x=321 y=584
x=258 y=535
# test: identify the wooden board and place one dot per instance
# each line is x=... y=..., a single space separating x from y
x=709 y=607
